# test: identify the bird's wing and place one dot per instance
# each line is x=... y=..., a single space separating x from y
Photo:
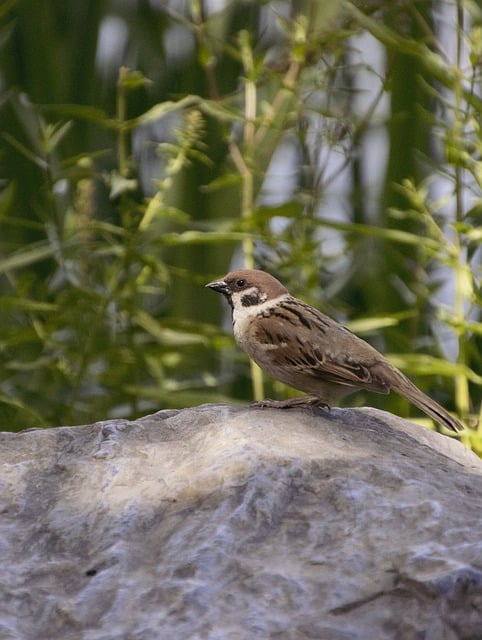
x=318 y=347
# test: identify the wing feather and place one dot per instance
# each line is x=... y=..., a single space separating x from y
x=302 y=347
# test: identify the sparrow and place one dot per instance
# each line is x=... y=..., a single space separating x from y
x=306 y=349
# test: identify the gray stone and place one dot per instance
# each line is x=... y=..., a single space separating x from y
x=225 y=523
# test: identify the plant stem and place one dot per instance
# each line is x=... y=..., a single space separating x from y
x=247 y=191
x=121 y=108
x=461 y=382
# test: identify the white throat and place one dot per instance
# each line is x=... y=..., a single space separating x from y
x=243 y=316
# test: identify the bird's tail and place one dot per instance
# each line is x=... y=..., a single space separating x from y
x=404 y=387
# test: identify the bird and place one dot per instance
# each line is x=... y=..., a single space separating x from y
x=308 y=350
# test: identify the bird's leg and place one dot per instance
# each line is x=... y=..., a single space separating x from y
x=290 y=403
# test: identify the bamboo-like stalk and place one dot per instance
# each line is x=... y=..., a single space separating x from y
x=461 y=383
x=247 y=190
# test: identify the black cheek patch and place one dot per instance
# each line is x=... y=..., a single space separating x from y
x=250 y=299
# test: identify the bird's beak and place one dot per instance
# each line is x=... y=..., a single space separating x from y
x=220 y=286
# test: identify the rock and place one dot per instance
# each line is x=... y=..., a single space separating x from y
x=225 y=523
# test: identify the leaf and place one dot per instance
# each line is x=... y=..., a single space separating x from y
x=23 y=408
x=82 y=112
x=163 y=108
x=168 y=337
x=291 y=209
x=131 y=79
x=107 y=227
x=34 y=253
x=7 y=196
x=201 y=237
x=371 y=325
x=119 y=185
x=54 y=134
x=30 y=365
x=10 y=302
x=26 y=152
x=474 y=235
x=424 y=364
x=395 y=235
x=222 y=182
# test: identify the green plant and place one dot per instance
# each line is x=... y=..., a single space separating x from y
x=103 y=254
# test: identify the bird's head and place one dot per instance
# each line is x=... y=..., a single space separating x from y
x=248 y=288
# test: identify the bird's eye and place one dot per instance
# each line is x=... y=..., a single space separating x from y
x=240 y=283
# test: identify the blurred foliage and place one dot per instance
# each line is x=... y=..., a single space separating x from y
x=138 y=144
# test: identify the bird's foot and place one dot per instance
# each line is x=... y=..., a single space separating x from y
x=291 y=403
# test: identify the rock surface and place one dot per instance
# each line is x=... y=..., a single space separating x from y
x=222 y=523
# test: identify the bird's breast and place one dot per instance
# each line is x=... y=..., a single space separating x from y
x=245 y=325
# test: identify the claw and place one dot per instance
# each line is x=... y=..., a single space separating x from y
x=291 y=403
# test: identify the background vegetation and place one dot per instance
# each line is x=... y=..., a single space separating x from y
x=147 y=147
